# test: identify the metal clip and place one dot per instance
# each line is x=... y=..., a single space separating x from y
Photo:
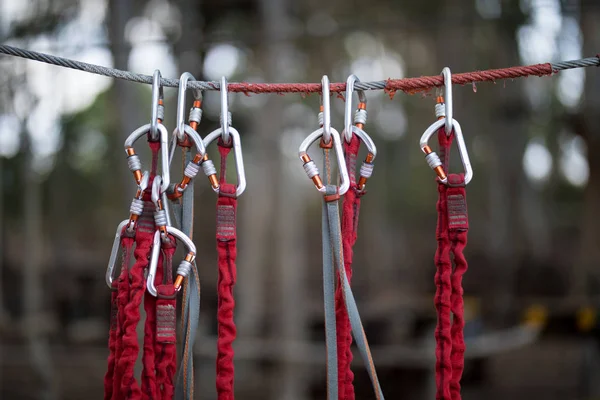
x=225 y=114
x=183 y=81
x=158 y=111
x=162 y=219
x=325 y=114
x=137 y=204
x=184 y=267
x=237 y=153
x=309 y=165
x=434 y=160
x=113 y=254
x=360 y=119
x=447 y=100
x=133 y=160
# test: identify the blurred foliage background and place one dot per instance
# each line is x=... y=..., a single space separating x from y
x=532 y=287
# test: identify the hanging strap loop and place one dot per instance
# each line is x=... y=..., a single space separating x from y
x=227 y=274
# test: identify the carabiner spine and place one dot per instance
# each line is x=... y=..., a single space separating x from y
x=237 y=153
x=113 y=253
x=433 y=159
x=311 y=168
x=184 y=267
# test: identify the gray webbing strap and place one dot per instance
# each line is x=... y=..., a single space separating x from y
x=184 y=218
x=329 y=303
x=335 y=241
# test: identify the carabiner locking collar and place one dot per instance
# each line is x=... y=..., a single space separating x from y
x=443 y=111
x=229 y=136
x=185 y=266
x=195 y=116
x=309 y=165
x=182 y=135
x=237 y=154
x=137 y=204
x=133 y=160
x=360 y=119
x=434 y=160
x=162 y=218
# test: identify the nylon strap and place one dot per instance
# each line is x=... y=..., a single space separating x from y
x=351 y=210
x=166 y=327
x=227 y=254
x=451 y=233
x=184 y=218
x=335 y=242
x=329 y=289
x=112 y=381
x=333 y=261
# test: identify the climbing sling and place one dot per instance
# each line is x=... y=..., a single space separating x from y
x=353 y=135
x=333 y=257
x=451 y=234
x=150 y=228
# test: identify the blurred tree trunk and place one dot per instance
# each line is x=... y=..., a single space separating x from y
x=288 y=206
x=588 y=125
x=505 y=177
x=33 y=290
x=123 y=101
x=188 y=50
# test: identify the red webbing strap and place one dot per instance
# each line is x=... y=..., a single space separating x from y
x=143 y=240
x=350 y=213
x=166 y=325
x=451 y=234
x=227 y=252
x=149 y=379
x=112 y=381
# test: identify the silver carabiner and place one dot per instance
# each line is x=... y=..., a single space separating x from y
x=137 y=204
x=193 y=167
x=325 y=113
x=185 y=266
x=434 y=160
x=113 y=254
x=311 y=168
x=237 y=153
x=447 y=107
x=158 y=111
x=162 y=217
x=360 y=119
x=183 y=81
x=225 y=114
x=133 y=160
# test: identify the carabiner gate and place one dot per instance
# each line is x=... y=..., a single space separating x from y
x=360 y=119
x=309 y=165
x=237 y=153
x=185 y=266
x=113 y=254
x=434 y=160
x=133 y=160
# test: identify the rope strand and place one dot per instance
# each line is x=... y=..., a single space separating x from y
x=409 y=85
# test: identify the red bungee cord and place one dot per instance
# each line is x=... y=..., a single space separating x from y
x=451 y=234
x=352 y=137
x=227 y=138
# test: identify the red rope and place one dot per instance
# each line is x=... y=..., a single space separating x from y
x=227 y=253
x=119 y=298
x=351 y=208
x=149 y=384
x=452 y=238
x=409 y=85
x=166 y=327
